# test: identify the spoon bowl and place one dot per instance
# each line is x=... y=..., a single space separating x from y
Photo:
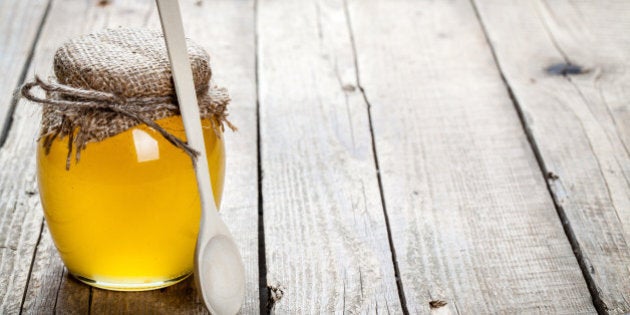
x=216 y=276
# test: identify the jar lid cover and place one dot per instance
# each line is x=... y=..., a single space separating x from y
x=126 y=62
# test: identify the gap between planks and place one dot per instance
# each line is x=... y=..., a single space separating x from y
x=399 y=285
x=264 y=295
x=544 y=173
x=328 y=270
x=5 y=125
x=476 y=178
x=601 y=262
x=30 y=268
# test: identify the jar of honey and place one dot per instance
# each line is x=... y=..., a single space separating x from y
x=117 y=184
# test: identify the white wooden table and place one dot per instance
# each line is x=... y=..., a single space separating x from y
x=393 y=156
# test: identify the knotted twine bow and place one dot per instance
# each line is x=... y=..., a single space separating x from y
x=136 y=108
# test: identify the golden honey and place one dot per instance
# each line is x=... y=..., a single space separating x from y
x=126 y=216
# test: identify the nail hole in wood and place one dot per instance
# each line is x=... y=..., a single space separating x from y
x=348 y=88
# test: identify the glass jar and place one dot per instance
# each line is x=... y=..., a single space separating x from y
x=126 y=216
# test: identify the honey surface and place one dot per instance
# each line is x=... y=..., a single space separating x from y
x=128 y=211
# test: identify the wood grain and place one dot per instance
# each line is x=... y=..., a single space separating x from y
x=20 y=22
x=49 y=287
x=21 y=220
x=20 y=213
x=325 y=236
x=580 y=122
x=472 y=222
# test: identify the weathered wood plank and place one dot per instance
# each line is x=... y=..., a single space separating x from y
x=471 y=220
x=49 y=287
x=325 y=235
x=20 y=22
x=20 y=215
x=580 y=122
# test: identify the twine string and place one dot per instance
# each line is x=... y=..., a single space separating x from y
x=131 y=107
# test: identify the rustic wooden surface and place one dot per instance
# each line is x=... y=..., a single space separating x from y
x=472 y=222
x=325 y=233
x=393 y=156
x=580 y=121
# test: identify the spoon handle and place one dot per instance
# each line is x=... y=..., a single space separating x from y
x=187 y=97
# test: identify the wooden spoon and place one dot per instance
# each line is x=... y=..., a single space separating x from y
x=219 y=271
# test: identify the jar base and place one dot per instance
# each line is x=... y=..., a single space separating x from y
x=144 y=286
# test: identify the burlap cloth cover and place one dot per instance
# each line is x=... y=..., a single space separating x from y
x=108 y=82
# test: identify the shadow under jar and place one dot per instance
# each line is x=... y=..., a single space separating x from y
x=125 y=215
